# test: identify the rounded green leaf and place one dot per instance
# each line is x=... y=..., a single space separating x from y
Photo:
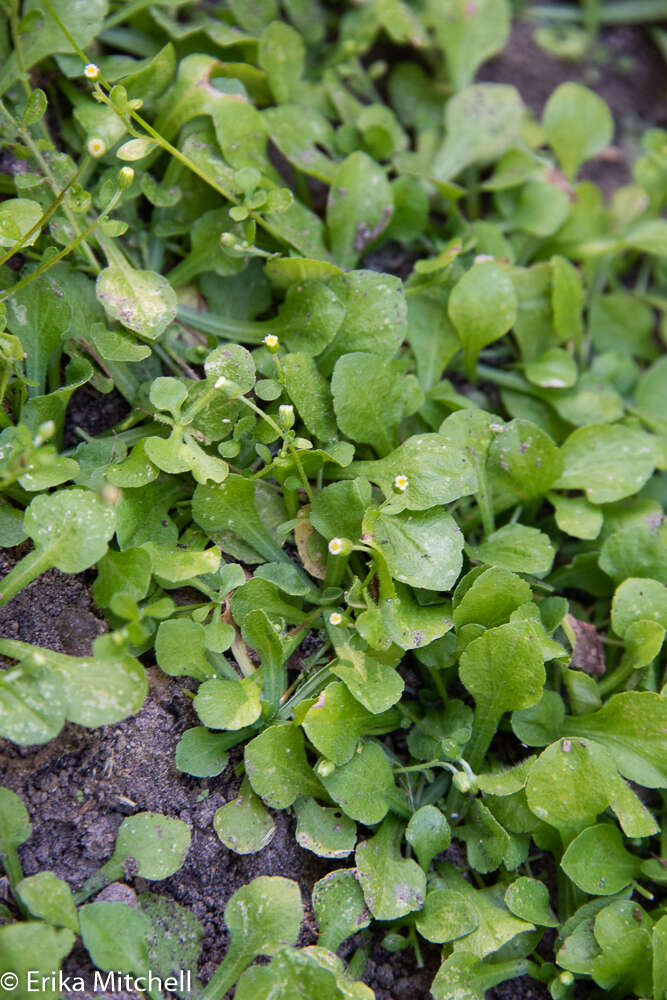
x=529 y=899
x=482 y=307
x=33 y=946
x=33 y=706
x=638 y=600
x=424 y=549
x=568 y=785
x=503 y=670
x=340 y=908
x=232 y=362
x=362 y=786
x=73 y=526
x=518 y=548
x=115 y=936
x=243 y=825
x=142 y=301
x=201 y=753
x=555 y=369
x=17 y=217
x=428 y=833
x=578 y=125
x=49 y=898
x=277 y=767
x=226 y=704
x=15 y=825
x=149 y=845
x=607 y=462
x=445 y=917
x=359 y=207
x=392 y=885
x=597 y=861
x=324 y=831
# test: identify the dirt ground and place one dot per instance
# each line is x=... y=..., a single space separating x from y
x=79 y=787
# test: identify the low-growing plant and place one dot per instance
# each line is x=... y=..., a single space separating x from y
x=419 y=519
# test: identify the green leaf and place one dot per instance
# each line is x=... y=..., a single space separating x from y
x=180 y=565
x=49 y=898
x=542 y=723
x=32 y=946
x=482 y=307
x=339 y=907
x=324 y=831
x=15 y=826
x=576 y=516
x=631 y=726
x=33 y=704
x=424 y=549
x=375 y=316
x=230 y=507
x=638 y=600
x=555 y=369
x=309 y=391
x=577 y=124
x=437 y=472
x=376 y=685
x=226 y=704
x=152 y=845
x=518 y=548
x=503 y=670
x=126 y=572
x=71 y=528
x=261 y=917
x=528 y=899
x=175 y=938
x=639 y=550
x=336 y=722
x=201 y=753
x=567 y=301
x=482 y=122
x=244 y=825
x=142 y=301
x=371 y=397
x=281 y=55
x=359 y=207
x=568 y=785
x=180 y=649
x=469 y=35
x=523 y=462
x=643 y=642
x=597 y=862
x=362 y=787
x=428 y=834
x=392 y=886
x=489 y=597
x=115 y=936
x=39 y=315
x=445 y=916
x=277 y=767
x=17 y=218
x=486 y=840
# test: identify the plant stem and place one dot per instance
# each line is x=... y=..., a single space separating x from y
x=620 y=12
x=24 y=572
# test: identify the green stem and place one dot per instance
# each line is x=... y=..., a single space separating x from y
x=224 y=977
x=484 y=501
x=224 y=327
x=23 y=573
x=614 y=680
x=65 y=250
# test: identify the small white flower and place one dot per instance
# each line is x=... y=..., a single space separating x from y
x=91 y=71
x=271 y=341
x=497 y=428
x=97 y=147
x=336 y=546
x=401 y=483
x=481 y=257
x=335 y=618
x=286 y=410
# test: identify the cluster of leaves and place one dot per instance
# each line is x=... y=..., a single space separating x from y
x=423 y=518
x=149 y=934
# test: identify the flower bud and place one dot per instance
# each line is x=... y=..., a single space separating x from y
x=286 y=416
x=125 y=178
x=325 y=768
